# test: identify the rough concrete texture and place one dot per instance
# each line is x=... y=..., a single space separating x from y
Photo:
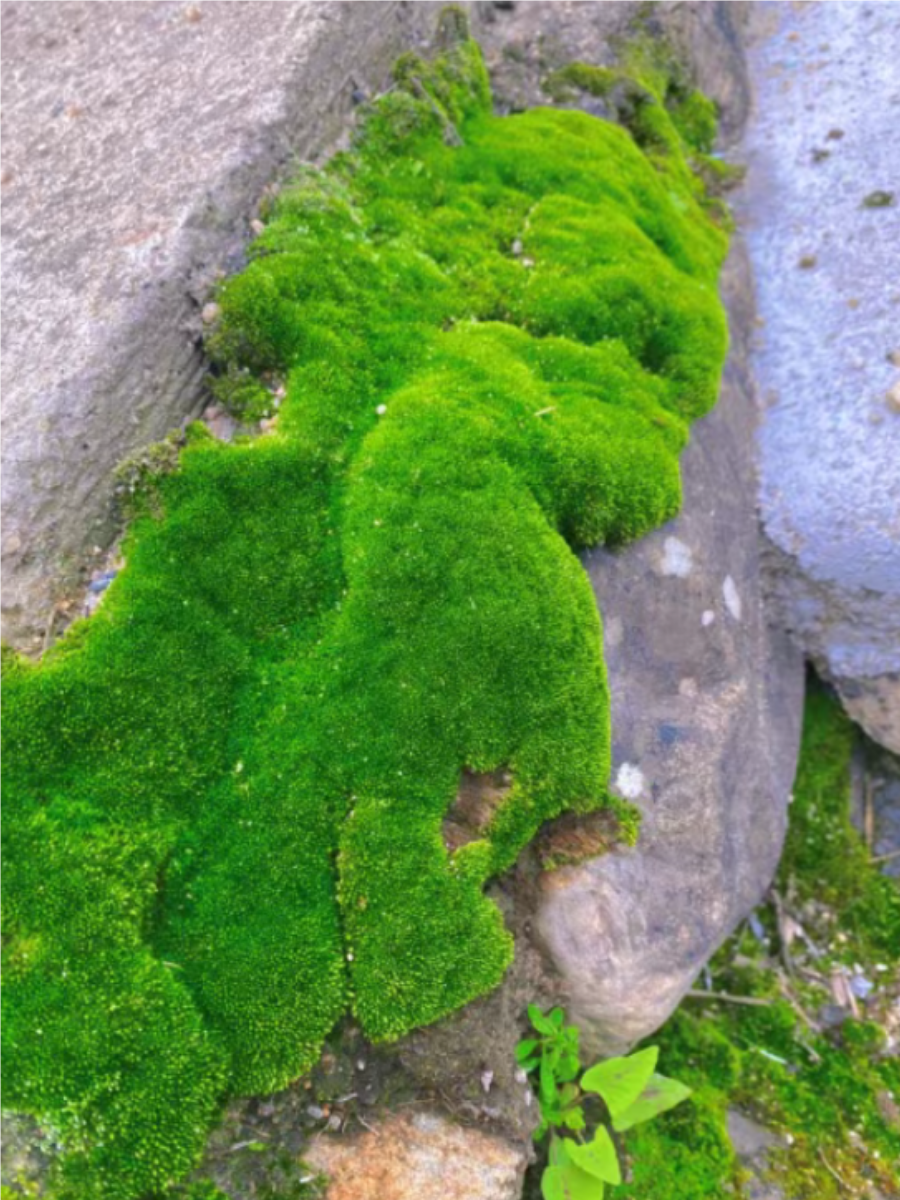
x=706 y=704
x=137 y=142
x=822 y=215
x=419 y=1157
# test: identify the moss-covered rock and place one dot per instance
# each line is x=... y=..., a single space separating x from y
x=225 y=794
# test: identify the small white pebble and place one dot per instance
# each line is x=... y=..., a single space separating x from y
x=732 y=599
x=381 y=409
x=677 y=558
x=708 y=617
x=210 y=313
x=630 y=781
x=257 y=226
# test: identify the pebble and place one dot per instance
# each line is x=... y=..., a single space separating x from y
x=101 y=582
x=893 y=397
x=210 y=313
x=257 y=226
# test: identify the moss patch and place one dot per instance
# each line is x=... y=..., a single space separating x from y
x=831 y=1089
x=225 y=793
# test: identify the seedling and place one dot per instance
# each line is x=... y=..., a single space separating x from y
x=584 y=1117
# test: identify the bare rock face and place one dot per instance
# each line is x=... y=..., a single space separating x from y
x=822 y=213
x=138 y=140
x=420 y=1157
x=706 y=721
x=525 y=42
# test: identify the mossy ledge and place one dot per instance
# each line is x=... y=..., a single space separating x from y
x=225 y=792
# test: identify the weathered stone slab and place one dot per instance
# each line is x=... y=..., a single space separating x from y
x=822 y=211
x=137 y=142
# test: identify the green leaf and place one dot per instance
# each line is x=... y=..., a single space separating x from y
x=659 y=1095
x=552 y=1184
x=567 y=1067
x=578 y=1185
x=574 y=1119
x=556 y=1017
x=541 y=1023
x=525 y=1049
x=598 y=1158
x=621 y=1080
x=567 y=1181
x=548 y=1081
x=558 y=1154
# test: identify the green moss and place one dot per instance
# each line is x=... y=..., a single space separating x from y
x=824 y=856
x=565 y=83
x=825 y=1089
x=673 y=122
x=225 y=793
x=243 y=395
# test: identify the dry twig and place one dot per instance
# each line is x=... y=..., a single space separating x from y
x=729 y=998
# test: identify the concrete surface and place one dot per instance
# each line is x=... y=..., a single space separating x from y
x=137 y=141
x=824 y=139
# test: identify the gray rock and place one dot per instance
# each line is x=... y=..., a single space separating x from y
x=752 y=1143
x=523 y=46
x=826 y=361
x=137 y=142
x=875 y=808
x=748 y=1137
x=706 y=716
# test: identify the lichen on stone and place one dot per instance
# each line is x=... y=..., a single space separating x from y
x=225 y=793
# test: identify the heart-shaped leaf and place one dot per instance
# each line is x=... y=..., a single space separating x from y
x=659 y=1095
x=621 y=1080
x=598 y=1158
x=578 y=1185
x=552 y=1184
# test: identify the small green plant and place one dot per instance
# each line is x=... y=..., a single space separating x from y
x=585 y=1116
